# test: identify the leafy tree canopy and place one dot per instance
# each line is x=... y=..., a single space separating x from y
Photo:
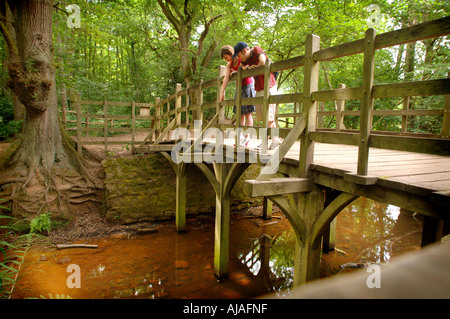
x=139 y=49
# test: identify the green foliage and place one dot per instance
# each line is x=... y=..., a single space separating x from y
x=14 y=249
x=41 y=223
x=131 y=51
x=8 y=127
x=6 y=271
x=6 y=109
x=12 y=264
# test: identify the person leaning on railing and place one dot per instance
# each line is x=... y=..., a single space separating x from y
x=248 y=89
x=251 y=58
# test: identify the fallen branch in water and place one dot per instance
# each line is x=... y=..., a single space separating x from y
x=267 y=224
x=63 y=246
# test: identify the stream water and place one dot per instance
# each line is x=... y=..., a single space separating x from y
x=168 y=265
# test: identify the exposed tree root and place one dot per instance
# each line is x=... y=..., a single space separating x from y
x=58 y=190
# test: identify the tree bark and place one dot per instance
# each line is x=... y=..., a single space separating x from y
x=410 y=55
x=19 y=109
x=44 y=151
x=32 y=79
x=182 y=21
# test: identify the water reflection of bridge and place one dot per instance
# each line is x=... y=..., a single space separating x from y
x=368 y=232
x=258 y=261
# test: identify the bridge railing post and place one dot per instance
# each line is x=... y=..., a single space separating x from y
x=445 y=131
x=178 y=103
x=238 y=104
x=310 y=84
x=197 y=102
x=157 y=117
x=186 y=102
x=265 y=108
x=167 y=115
x=340 y=107
x=365 y=122
x=220 y=109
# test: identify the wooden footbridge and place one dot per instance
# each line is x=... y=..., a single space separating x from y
x=319 y=171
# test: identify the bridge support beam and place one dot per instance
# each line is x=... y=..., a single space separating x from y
x=180 y=206
x=329 y=234
x=180 y=189
x=222 y=178
x=222 y=223
x=307 y=262
x=310 y=215
x=267 y=208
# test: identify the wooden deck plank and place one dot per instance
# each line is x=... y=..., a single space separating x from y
x=435 y=185
x=397 y=170
x=383 y=164
x=415 y=172
x=405 y=174
x=421 y=178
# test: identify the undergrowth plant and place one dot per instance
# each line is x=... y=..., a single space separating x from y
x=14 y=249
x=6 y=271
x=41 y=223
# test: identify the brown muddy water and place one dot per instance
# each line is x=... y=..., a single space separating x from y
x=166 y=265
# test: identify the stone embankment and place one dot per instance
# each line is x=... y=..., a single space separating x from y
x=142 y=188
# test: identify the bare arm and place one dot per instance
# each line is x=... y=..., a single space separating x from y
x=226 y=79
x=262 y=61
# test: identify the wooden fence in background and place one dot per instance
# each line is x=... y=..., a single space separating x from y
x=105 y=122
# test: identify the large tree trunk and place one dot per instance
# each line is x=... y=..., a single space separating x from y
x=44 y=158
x=19 y=109
x=181 y=17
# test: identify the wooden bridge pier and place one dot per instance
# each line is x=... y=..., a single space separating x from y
x=222 y=177
x=225 y=176
x=310 y=212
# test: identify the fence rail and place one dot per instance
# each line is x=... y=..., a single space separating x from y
x=106 y=122
x=310 y=103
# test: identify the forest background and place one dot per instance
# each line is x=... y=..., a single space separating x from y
x=137 y=50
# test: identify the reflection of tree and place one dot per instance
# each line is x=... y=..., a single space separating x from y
x=406 y=232
x=272 y=260
x=282 y=255
x=380 y=227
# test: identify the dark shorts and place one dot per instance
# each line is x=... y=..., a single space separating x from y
x=247 y=91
